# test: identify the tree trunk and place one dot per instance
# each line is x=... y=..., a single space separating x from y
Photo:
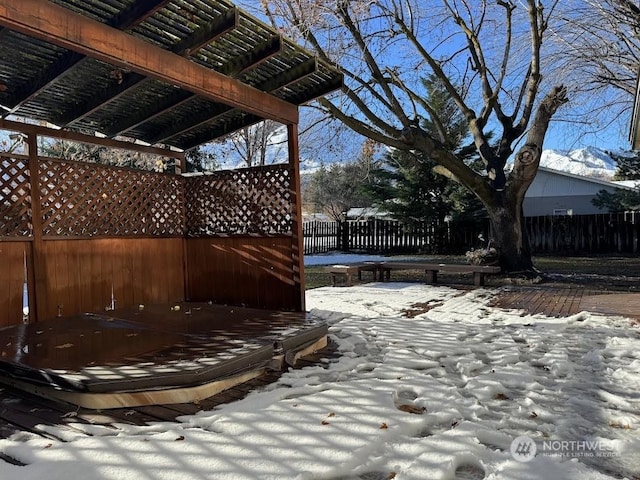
x=510 y=238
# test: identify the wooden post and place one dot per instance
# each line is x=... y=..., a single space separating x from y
x=36 y=274
x=297 y=239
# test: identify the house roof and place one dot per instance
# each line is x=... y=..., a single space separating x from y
x=175 y=73
x=597 y=181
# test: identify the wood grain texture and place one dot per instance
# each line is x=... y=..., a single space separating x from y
x=103 y=401
x=250 y=271
x=79 y=274
x=12 y=281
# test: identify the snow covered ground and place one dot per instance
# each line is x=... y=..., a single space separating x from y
x=432 y=383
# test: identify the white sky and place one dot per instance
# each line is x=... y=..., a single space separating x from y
x=475 y=377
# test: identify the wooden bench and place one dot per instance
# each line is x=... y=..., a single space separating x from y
x=432 y=269
x=347 y=271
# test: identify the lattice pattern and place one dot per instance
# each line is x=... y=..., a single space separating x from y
x=83 y=199
x=15 y=198
x=247 y=201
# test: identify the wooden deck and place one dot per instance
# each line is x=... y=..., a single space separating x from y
x=556 y=301
x=21 y=411
x=146 y=364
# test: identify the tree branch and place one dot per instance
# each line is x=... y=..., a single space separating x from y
x=528 y=157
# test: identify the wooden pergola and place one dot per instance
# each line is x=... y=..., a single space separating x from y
x=161 y=77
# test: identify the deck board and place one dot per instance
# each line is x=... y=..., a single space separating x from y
x=14 y=405
x=623 y=304
x=566 y=301
x=156 y=347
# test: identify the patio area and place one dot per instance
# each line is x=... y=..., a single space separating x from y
x=238 y=341
x=418 y=381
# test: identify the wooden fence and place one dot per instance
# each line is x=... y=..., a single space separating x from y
x=585 y=234
x=579 y=235
x=392 y=236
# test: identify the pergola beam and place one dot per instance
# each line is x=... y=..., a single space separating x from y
x=80 y=137
x=137 y=13
x=197 y=120
x=296 y=74
x=274 y=83
x=251 y=60
x=205 y=35
x=83 y=110
x=246 y=63
x=166 y=104
x=55 y=24
x=320 y=90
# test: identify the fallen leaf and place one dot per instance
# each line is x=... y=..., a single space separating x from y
x=412 y=409
x=324 y=422
x=501 y=396
x=391 y=475
x=384 y=426
x=180 y=438
x=533 y=415
x=332 y=414
x=624 y=426
x=49 y=445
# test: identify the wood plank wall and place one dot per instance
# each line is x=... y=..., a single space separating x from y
x=251 y=271
x=12 y=281
x=78 y=274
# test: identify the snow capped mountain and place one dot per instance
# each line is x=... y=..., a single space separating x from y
x=586 y=162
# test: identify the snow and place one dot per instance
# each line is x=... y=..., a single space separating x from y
x=440 y=393
x=334 y=258
x=586 y=162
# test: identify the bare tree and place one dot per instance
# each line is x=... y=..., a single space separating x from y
x=487 y=54
x=601 y=40
x=597 y=53
x=252 y=143
x=84 y=152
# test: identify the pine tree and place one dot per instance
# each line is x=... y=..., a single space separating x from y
x=407 y=183
x=628 y=168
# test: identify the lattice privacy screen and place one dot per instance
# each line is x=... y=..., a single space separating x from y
x=85 y=199
x=247 y=201
x=15 y=198
x=91 y=200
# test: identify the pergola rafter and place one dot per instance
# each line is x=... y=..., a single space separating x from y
x=137 y=13
x=72 y=64
x=187 y=47
x=247 y=62
x=271 y=85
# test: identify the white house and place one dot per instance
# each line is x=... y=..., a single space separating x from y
x=560 y=193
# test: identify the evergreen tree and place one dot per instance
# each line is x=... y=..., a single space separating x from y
x=407 y=183
x=201 y=159
x=628 y=168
